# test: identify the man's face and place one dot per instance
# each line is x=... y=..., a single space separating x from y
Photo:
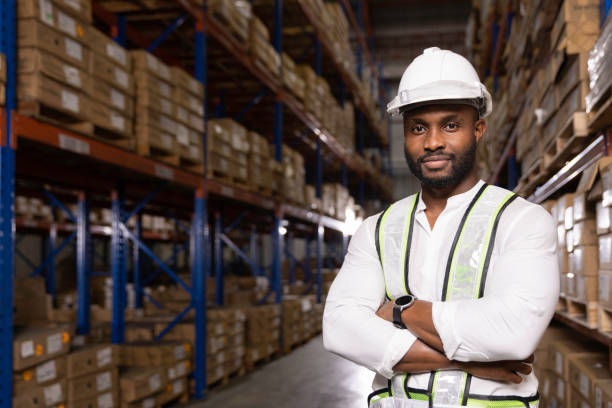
x=440 y=143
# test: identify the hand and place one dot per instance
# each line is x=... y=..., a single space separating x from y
x=385 y=311
x=499 y=370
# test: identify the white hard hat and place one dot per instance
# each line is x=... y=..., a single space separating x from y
x=440 y=76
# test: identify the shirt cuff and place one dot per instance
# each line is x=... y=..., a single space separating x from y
x=398 y=346
x=443 y=316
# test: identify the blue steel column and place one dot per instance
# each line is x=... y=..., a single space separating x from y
x=218 y=260
x=307 y=269
x=82 y=266
x=253 y=247
x=291 y=257
x=276 y=256
x=117 y=272
x=7 y=192
x=199 y=276
x=137 y=264
x=278 y=105
x=50 y=273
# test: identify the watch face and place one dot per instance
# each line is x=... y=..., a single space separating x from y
x=403 y=300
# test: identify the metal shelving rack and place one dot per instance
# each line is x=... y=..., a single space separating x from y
x=127 y=179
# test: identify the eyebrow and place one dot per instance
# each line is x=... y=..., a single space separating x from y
x=447 y=118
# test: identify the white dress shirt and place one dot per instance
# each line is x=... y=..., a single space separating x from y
x=521 y=292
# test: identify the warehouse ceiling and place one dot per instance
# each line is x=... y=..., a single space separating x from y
x=403 y=28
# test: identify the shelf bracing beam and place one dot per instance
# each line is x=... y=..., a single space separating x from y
x=137 y=264
x=117 y=271
x=218 y=256
x=83 y=265
x=199 y=274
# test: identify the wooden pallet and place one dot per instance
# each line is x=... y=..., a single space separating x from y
x=62 y=119
x=253 y=364
x=600 y=115
x=569 y=141
x=604 y=320
x=583 y=313
x=227 y=377
x=228 y=179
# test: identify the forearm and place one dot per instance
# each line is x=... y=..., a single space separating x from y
x=418 y=319
x=422 y=358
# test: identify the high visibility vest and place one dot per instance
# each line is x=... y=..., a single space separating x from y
x=465 y=276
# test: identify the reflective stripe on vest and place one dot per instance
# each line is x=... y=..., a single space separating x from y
x=465 y=273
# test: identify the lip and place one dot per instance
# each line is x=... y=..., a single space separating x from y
x=435 y=163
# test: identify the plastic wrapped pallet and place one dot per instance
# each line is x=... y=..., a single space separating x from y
x=600 y=67
x=260 y=48
x=291 y=79
x=234 y=14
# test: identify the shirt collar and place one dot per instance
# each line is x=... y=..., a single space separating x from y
x=455 y=201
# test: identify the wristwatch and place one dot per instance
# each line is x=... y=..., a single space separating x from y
x=401 y=303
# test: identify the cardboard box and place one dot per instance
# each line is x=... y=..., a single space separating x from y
x=110 y=119
x=582 y=208
x=576 y=17
x=103 y=44
x=113 y=98
x=109 y=399
x=92 y=359
x=50 y=395
x=156 y=354
x=148 y=117
x=576 y=400
x=605 y=252
x=173 y=390
x=140 y=382
x=78 y=9
x=146 y=82
x=562 y=350
x=32 y=61
x=150 y=139
x=603 y=217
x=566 y=201
x=182 y=79
x=144 y=61
x=85 y=386
x=585 y=233
x=29 y=301
x=586 y=288
x=32 y=33
x=104 y=68
x=188 y=101
x=48 y=12
x=583 y=260
x=34 y=345
x=603 y=394
x=157 y=103
x=36 y=87
x=605 y=288
x=178 y=370
x=585 y=372
x=42 y=374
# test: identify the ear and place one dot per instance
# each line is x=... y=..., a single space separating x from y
x=479 y=129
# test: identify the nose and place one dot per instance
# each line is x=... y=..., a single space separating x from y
x=434 y=140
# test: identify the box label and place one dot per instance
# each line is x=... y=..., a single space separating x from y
x=179 y=353
x=581 y=290
x=105 y=400
x=182 y=114
x=597 y=397
x=154 y=382
x=104 y=356
x=66 y=24
x=172 y=373
x=46 y=12
x=73 y=49
x=164 y=172
x=74 y=4
x=560 y=389
x=53 y=394
x=164 y=89
x=104 y=381
x=74 y=145
x=584 y=385
x=149 y=403
x=46 y=372
x=117 y=99
x=604 y=286
x=70 y=101
x=54 y=343
x=27 y=349
x=166 y=141
x=72 y=76
x=182 y=135
x=121 y=77
x=117 y=121
x=181 y=369
x=605 y=248
x=177 y=387
x=166 y=106
x=116 y=52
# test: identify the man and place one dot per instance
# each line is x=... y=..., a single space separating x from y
x=446 y=294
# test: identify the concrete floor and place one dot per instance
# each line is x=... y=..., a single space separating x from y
x=309 y=377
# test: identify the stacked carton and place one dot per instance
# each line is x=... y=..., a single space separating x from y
x=311 y=201
x=604 y=230
x=52 y=80
x=262 y=333
x=227 y=326
x=294 y=174
x=262 y=52
x=259 y=170
x=228 y=149
x=234 y=15
x=336 y=200
x=155 y=126
x=39 y=366
x=291 y=79
x=188 y=97
x=93 y=378
x=153 y=374
x=292 y=326
x=600 y=74
x=313 y=92
x=112 y=89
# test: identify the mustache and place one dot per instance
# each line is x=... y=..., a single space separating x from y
x=436 y=155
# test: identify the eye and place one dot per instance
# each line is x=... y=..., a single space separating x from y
x=452 y=126
x=418 y=129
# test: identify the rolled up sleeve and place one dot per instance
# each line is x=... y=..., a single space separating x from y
x=521 y=292
x=351 y=328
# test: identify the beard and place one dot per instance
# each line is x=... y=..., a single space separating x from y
x=461 y=166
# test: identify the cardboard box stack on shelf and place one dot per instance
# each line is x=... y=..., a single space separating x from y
x=39 y=365
x=156 y=128
x=338 y=35
x=299 y=322
x=228 y=148
x=112 y=89
x=294 y=174
x=225 y=343
x=313 y=91
x=604 y=230
x=153 y=374
x=53 y=58
x=262 y=52
x=311 y=201
x=262 y=333
x=188 y=97
x=93 y=378
x=259 y=170
x=598 y=100
x=336 y=200
x=291 y=79
x=2 y=79
x=233 y=15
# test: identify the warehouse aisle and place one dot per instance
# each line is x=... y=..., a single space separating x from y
x=309 y=377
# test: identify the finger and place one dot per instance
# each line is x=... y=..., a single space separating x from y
x=524 y=369
x=529 y=359
x=515 y=378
